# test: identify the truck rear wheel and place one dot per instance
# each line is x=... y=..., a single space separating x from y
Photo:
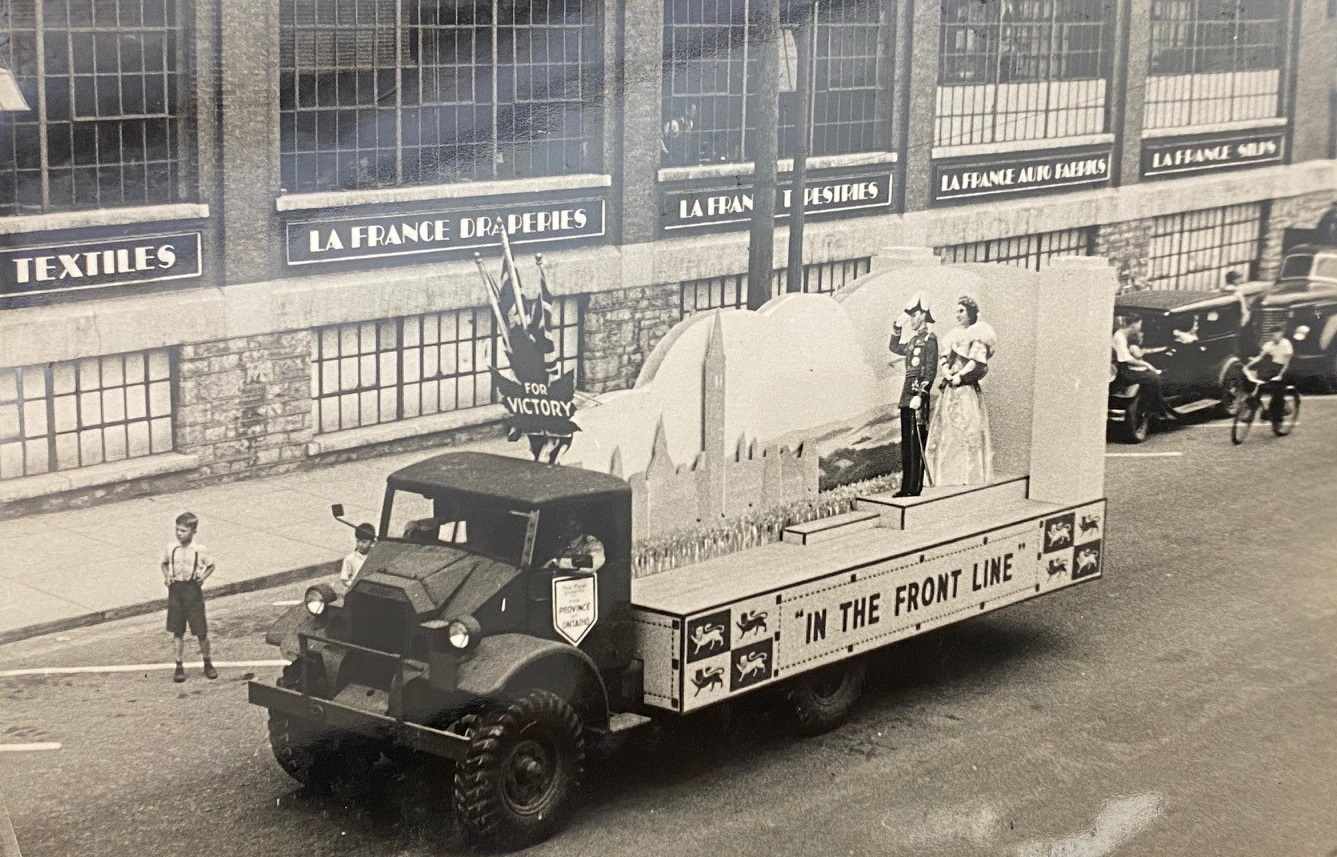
x=517 y=783
x=822 y=699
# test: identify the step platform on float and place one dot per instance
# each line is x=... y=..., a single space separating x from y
x=937 y=505
x=825 y=529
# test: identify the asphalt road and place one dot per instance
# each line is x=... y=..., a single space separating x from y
x=1185 y=704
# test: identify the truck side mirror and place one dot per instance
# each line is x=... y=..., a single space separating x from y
x=337 y=510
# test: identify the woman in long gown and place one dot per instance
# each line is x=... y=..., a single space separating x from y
x=960 y=449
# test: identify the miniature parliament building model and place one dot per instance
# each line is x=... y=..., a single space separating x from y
x=499 y=621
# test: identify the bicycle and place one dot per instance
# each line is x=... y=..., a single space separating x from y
x=1282 y=413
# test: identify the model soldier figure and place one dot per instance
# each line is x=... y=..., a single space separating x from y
x=920 y=350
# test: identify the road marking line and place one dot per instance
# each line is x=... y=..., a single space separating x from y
x=134 y=668
x=1143 y=454
x=29 y=748
x=287 y=603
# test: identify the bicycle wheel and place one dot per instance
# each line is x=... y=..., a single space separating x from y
x=1284 y=421
x=1239 y=429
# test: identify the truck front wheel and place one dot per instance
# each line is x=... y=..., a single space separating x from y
x=323 y=762
x=822 y=699
x=518 y=780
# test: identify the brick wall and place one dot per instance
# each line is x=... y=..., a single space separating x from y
x=245 y=404
x=621 y=328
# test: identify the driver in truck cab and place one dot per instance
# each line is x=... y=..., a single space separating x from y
x=576 y=550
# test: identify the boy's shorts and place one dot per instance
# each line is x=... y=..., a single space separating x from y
x=185 y=606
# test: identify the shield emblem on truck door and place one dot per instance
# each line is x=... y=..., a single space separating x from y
x=575 y=606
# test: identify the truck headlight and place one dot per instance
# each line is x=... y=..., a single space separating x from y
x=318 y=598
x=463 y=632
x=1301 y=332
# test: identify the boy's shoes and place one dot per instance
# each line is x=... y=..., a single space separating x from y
x=209 y=671
x=180 y=674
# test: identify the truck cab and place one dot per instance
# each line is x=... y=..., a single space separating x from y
x=1303 y=305
x=496 y=597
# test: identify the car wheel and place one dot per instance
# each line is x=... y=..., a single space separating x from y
x=822 y=699
x=1136 y=421
x=519 y=777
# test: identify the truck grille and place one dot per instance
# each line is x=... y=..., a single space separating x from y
x=378 y=622
x=1274 y=319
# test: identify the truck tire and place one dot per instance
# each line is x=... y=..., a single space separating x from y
x=324 y=762
x=524 y=764
x=822 y=699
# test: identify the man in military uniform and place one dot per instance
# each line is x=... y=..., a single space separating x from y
x=919 y=347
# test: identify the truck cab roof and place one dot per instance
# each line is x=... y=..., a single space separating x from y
x=488 y=477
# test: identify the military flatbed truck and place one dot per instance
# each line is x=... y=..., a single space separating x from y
x=480 y=636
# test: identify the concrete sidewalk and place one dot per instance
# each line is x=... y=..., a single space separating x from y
x=65 y=569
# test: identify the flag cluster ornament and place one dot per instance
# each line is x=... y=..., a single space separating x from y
x=539 y=397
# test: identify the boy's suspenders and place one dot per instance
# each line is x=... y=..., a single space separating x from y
x=194 y=569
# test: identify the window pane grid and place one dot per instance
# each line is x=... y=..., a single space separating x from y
x=713 y=69
x=1021 y=70
x=72 y=414
x=369 y=373
x=730 y=291
x=1214 y=61
x=377 y=93
x=112 y=74
x=1196 y=249
x=1023 y=251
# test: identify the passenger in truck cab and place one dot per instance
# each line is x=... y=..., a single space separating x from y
x=576 y=549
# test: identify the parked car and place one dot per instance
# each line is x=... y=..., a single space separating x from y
x=1303 y=304
x=1193 y=338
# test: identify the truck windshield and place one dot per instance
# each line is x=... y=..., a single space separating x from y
x=494 y=531
x=1296 y=265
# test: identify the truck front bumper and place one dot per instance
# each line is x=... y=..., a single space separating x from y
x=336 y=716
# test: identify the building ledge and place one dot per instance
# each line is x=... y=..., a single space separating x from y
x=101 y=217
x=815 y=162
x=1218 y=128
x=29 y=487
x=341 y=441
x=973 y=150
x=426 y=193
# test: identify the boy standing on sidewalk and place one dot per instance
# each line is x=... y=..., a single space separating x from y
x=185 y=567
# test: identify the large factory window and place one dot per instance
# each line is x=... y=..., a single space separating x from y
x=1023 y=251
x=377 y=93
x=711 y=71
x=1016 y=70
x=107 y=122
x=1196 y=249
x=1214 y=61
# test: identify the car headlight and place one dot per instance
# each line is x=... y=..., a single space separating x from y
x=318 y=598
x=463 y=632
x=1301 y=332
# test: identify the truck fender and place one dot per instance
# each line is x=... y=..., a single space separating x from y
x=283 y=633
x=1328 y=337
x=508 y=665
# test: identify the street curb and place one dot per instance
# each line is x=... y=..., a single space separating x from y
x=264 y=581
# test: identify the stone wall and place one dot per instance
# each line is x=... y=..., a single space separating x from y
x=1295 y=211
x=245 y=404
x=621 y=328
x=1128 y=246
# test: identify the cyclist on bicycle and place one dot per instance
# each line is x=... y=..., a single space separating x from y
x=1266 y=369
